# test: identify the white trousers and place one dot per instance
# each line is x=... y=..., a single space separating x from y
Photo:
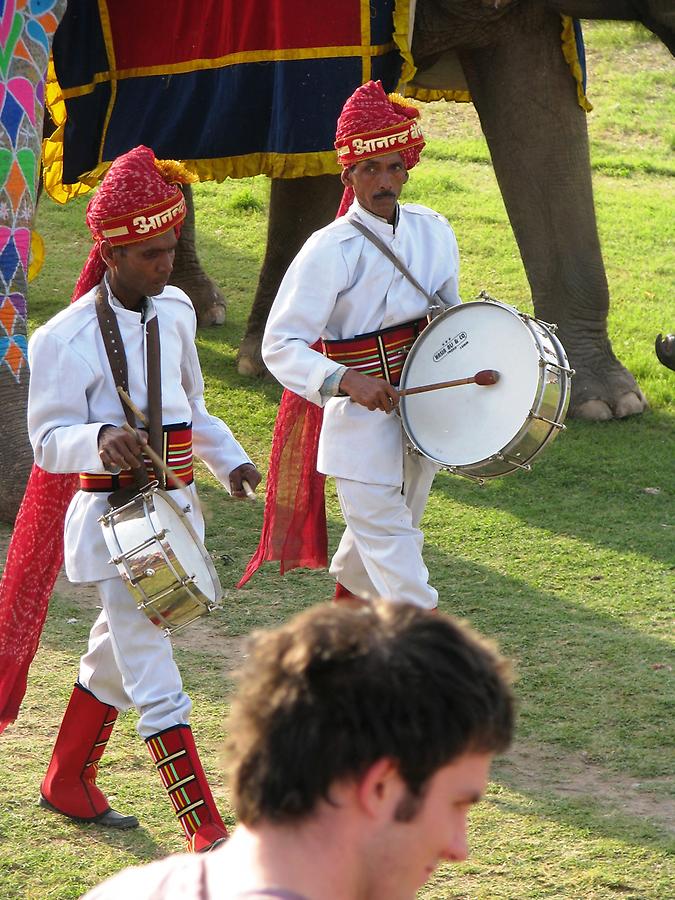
x=130 y=662
x=380 y=553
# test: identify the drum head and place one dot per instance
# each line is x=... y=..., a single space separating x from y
x=185 y=544
x=464 y=425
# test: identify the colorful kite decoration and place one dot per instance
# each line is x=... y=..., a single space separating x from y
x=26 y=27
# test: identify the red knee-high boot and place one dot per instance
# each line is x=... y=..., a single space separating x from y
x=69 y=787
x=175 y=756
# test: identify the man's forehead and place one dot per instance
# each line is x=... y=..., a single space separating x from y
x=157 y=242
x=465 y=777
x=386 y=160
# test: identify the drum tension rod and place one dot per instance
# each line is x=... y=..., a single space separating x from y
x=453 y=471
x=543 y=363
x=559 y=425
x=509 y=459
x=160 y=535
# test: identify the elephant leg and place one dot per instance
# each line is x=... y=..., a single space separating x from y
x=14 y=436
x=526 y=100
x=298 y=207
x=188 y=274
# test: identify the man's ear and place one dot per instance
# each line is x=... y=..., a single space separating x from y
x=380 y=789
x=406 y=177
x=106 y=250
x=346 y=176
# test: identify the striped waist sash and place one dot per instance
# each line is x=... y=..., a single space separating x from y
x=379 y=353
x=177 y=455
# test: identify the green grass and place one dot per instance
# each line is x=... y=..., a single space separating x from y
x=571 y=568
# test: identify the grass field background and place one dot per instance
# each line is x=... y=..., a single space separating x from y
x=570 y=568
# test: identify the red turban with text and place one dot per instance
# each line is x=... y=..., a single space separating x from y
x=373 y=124
x=139 y=198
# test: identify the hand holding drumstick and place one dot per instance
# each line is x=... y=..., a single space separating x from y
x=376 y=393
x=240 y=477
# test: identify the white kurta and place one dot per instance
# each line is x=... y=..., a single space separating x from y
x=340 y=285
x=72 y=395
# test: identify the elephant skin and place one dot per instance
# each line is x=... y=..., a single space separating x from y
x=502 y=46
x=207 y=298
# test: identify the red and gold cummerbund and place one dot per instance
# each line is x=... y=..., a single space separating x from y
x=177 y=455
x=378 y=353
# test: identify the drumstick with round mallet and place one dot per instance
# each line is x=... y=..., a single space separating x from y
x=485 y=378
x=140 y=415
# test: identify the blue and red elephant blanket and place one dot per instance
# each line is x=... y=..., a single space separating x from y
x=232 y=88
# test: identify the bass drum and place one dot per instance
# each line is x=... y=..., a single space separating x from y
x=161 y=559
x=485 y=432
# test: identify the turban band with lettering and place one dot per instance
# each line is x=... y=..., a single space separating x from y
x=374 y=124
x=139 y=198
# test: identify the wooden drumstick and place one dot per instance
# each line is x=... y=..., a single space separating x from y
x=484 y=378
x=140 y=415
x=248 y=490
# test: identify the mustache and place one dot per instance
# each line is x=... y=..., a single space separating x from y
x=384 y=195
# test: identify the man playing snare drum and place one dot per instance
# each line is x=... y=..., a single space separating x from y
x=337 y=335
x=75 y=419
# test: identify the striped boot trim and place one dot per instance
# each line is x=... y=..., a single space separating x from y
x=177 y=762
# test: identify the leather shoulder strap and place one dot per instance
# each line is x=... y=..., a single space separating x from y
x=114 y=348
x=379 y=243
x=117 y=358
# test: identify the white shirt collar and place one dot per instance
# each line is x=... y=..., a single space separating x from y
x=143 y=313
x=375 y=223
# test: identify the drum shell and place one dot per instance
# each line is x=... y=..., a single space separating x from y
x=147 y=538
x=548 y=382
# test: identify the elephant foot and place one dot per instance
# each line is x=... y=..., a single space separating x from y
x=249 y=358
x=209 y=303
x=601 y=393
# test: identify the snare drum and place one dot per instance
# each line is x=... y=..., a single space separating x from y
x=484 y=432
x=161 y=559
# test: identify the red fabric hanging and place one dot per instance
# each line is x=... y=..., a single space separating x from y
x=294 y=524
x=34 y=558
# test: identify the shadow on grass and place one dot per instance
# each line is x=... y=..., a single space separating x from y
x=218 y=364
x=608 y=484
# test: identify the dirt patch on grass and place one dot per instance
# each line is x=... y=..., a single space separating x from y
x=572 y=776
